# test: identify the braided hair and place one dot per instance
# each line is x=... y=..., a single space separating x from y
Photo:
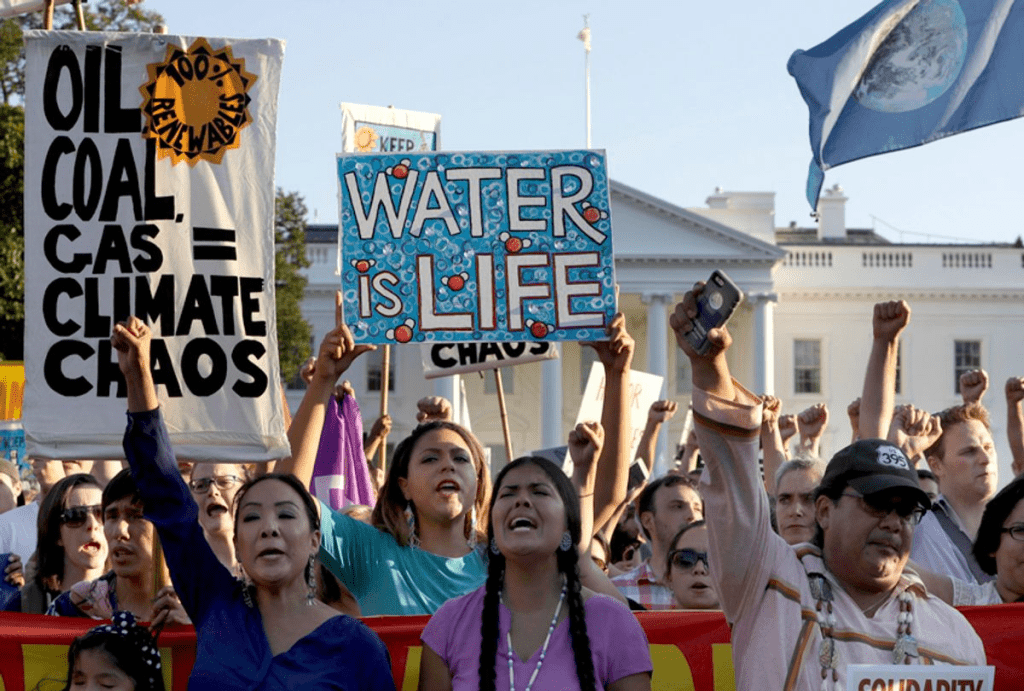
x=568 y=565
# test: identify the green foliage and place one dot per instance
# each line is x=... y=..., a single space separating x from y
x=12 y=232
x=100 y=15
x=293 y=332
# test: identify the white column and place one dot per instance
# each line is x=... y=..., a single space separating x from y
x=657 y=361
x=764 y=341
x=551 y=432
x=448 y=387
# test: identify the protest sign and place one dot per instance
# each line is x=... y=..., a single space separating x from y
x=373 y=129
x=690 y=650
x=919 y=678
x=476 y=246
x=442 y=359
x=644 y=389
x=12 y=390
x=149 y=168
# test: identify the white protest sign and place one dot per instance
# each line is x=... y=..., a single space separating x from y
x=149 y=190
x=919 y=678
x=443 y=359
x=644 y=390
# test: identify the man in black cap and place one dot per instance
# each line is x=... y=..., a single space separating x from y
x=800 y=615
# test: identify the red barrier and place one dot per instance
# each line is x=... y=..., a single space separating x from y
x=690 y=650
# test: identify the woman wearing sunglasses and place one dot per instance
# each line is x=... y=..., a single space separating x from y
x=688 y=575
x=71 y=545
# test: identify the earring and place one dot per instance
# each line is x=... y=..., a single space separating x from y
x=494 y=548
x=311 y=581
x=566 y=544
x=246 y=587
x=471 y=540
x=410 y=518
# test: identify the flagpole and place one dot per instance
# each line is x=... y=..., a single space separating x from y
x=585 y=37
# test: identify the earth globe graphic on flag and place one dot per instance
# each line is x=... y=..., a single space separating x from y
x=918 y=61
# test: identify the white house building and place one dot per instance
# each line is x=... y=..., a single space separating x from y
x=802 y=333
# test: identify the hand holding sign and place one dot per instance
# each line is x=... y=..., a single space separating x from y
x=338 y=349
x=617 y=352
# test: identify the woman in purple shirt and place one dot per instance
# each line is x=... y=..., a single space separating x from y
x=540 y=627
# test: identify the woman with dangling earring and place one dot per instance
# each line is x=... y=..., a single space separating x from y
x=422 y=547
x=541 y=629
x=267 y=631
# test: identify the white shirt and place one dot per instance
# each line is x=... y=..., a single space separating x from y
x=18 y=531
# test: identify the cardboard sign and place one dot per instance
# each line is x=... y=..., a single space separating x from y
x=919 y=678
x=476 y=246
x=443 y=359
x=149 y=190
x=644 y=390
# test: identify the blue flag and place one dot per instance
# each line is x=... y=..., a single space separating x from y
x=909 y=72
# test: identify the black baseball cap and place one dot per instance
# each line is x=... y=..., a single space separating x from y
x=873 y=465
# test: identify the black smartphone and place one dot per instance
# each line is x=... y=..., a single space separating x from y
x=637 y=474
x=715 y=306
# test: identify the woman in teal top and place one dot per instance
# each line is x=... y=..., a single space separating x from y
x=421 y=549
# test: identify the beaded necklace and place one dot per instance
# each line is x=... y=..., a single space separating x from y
x=543 y=649
x=904 y=648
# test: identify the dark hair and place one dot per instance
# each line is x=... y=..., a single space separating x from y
x=675 y=539
x=954 y=416
x=924 y=474
x=120 y=486
x=389 y=513
x=833 y=492
x=308 y=502
x=125 y=654
x=51 y=554
x=568 y=565
x=622 y=539
x=645 y=502
x=990 y=530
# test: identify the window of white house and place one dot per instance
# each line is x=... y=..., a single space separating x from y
x=966 y=356
x=806 y=366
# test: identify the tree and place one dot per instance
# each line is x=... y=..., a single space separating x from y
x=101 y=15
x=293 y=332
x=12 y=233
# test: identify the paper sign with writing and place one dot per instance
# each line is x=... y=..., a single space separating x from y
x=375 y=129
x=149 y=190
x=443 y=359
x=476 y=246
x=644 y=390
x=919 y=678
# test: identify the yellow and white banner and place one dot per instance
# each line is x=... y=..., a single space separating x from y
x=149 y=190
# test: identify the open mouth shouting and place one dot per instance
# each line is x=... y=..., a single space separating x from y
x=448 y=487
x=521 y=524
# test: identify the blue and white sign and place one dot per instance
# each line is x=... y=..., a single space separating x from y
x=476 y=246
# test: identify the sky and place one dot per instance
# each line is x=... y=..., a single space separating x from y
x=685 y=97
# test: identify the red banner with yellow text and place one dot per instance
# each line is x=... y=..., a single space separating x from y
x=690 y=650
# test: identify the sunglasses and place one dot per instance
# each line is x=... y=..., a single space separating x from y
x=687 y=558
x=881 y=505
x=76 y=516
x=223 y=482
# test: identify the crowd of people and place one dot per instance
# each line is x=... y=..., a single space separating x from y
x=531 y=578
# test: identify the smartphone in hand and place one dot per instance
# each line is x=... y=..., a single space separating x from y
x=715 y=306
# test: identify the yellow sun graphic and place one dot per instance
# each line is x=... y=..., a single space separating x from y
x=196 y=103
x=366 y=137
